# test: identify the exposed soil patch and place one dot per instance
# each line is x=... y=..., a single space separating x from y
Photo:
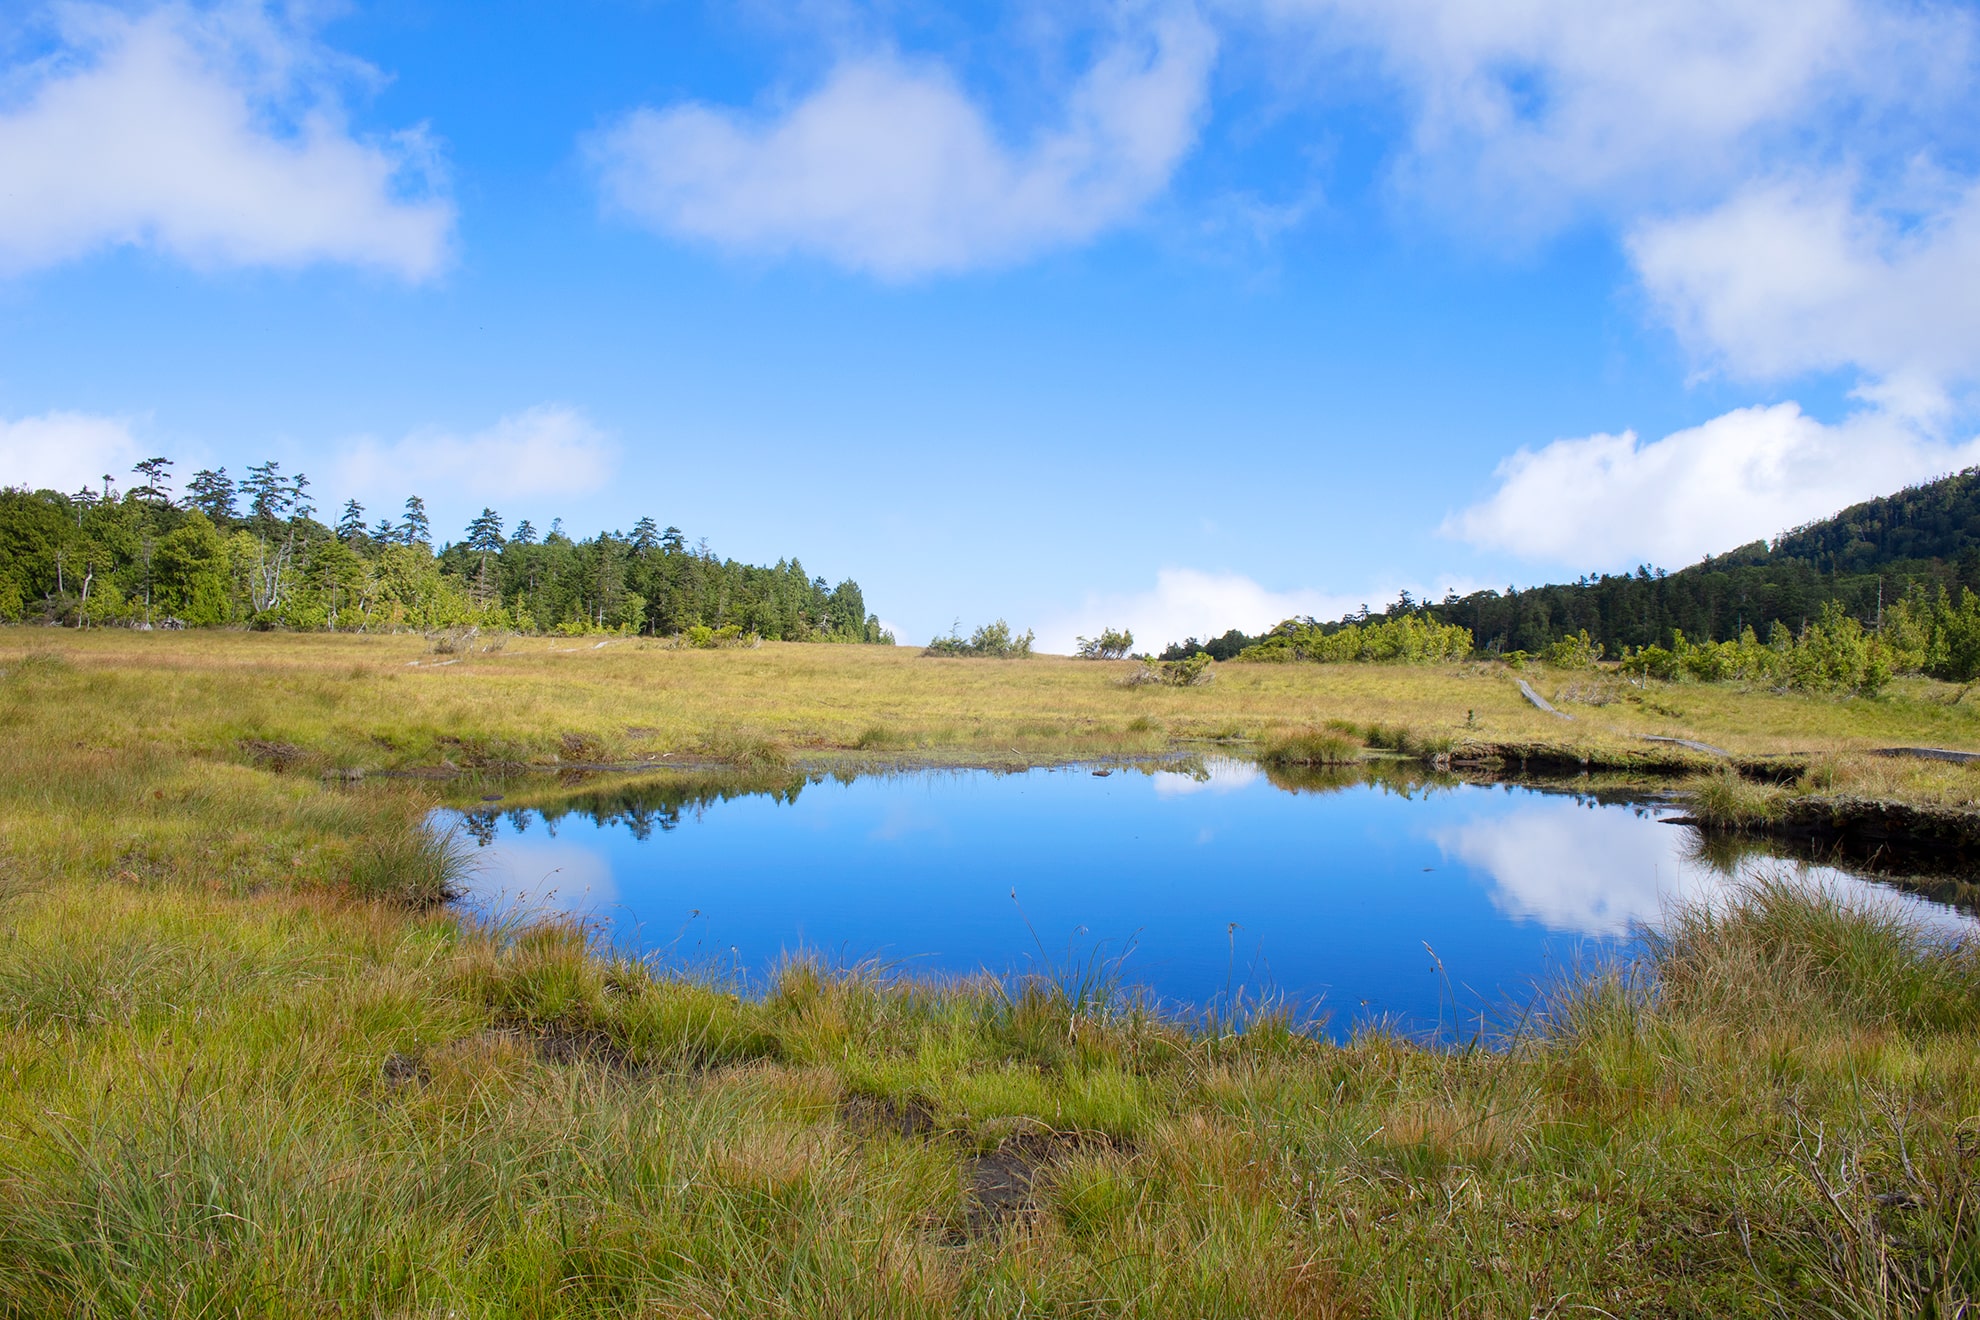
x=874 y=1115
x=1878 y=832
x=1004 y=1186
x=403 y=1070
x=566 y=1045
x=276 y=756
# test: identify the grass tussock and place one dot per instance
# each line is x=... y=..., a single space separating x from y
x=1798 y=953
x=418 y=867
x=1311 y=748
x=1726 y=801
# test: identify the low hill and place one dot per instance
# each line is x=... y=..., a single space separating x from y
x=1922 y=538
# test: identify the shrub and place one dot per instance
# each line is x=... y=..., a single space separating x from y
x=1191 y=671
x=1832 y=654
x=1409 y=640
x=1575 y=652
x=993 y=641
x=1109 y=645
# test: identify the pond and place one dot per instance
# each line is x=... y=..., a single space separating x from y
x=1434 y=906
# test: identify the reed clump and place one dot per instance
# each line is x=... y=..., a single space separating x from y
x=1312 y=747
x=1724 y=800
x=418 y=867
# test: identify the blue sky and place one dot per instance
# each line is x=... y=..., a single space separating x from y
x=1179 y=316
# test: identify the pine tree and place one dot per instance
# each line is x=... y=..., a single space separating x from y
x=212 y=493
x=484 y=534
x=415 y=531
x=484 y=538
x=525 y=533
x=269 y=496
x=645 y=535
x=156 y=473
x=350 y=527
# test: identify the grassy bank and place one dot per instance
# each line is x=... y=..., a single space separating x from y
x=245 y=1069
x=284 y=1105
x=322 y=702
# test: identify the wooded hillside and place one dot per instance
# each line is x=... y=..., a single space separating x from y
x=254 y=553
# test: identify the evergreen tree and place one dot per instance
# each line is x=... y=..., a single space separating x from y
x=414 y=530
x=157 y=472
x=212 y=493
x=350 y=527
x=385 y=532
x=484 y=540
x=484 y=534
x=269 y=496
x=645 y=535
x=525 y=533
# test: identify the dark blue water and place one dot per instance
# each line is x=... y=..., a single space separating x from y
x=1207 y=886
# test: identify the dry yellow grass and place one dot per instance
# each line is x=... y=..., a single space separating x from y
x=387 y=702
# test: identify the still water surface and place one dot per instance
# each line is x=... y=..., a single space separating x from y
x=1207 y=883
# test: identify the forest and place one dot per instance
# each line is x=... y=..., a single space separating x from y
x=253 y=553
x=1885 y=586
x=1910 y=545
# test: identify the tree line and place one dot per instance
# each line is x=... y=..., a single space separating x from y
x=253 y=552
x=1911 y=545
x=1903 y=568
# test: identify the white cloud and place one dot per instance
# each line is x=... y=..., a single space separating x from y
x=213 y=135
x=546 y=450
x=1611 y=499
x=1607 y=873
x=516 y=876
x=65 y=451
x=1186 y=602
x=1571 y=869
x=1544 y=107
x=1796 y=275
x=890 y=168
x=1219 y=775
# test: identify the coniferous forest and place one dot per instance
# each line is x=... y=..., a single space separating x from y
x=255 y=553
x=1909 y=559
x=1910 y=545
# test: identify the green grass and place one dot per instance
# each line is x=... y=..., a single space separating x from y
x=301 y=1106
x=1310 y=748
x=247 y=1067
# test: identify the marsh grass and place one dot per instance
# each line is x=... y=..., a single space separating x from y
x=236 y=1077
x=1725 y=800
x=1311 y=748
x=417 y=867
x=286 y=1103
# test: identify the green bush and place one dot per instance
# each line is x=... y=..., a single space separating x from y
x=1575 y=652
x=1109 y=645
x=993 y=641
x=1411 y=639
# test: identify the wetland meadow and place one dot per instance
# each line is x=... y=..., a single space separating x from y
x=821 y=980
